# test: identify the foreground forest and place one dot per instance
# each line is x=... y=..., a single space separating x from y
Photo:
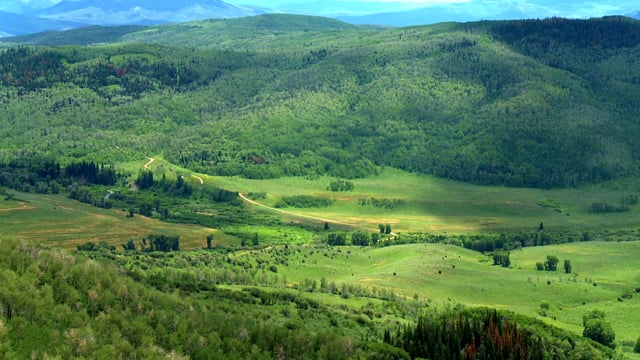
x=100 y=305
x=293 y=187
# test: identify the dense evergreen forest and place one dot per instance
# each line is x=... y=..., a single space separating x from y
x=538 y=103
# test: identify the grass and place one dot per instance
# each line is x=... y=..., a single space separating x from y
x=60 y=222
x=434 y=205
x=440 y=275
x=444 y=275
x=437 y=205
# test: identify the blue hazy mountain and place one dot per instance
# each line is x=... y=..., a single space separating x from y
x=498 y=10
x=41 y=15
x=110 y=12
x=18 y=24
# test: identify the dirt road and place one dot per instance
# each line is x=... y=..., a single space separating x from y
x=246 y=199
x=151 y=160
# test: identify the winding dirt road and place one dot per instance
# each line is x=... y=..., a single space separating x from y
x=249 y=201
x=199 y=179
x=151 y=160
x=246 y=199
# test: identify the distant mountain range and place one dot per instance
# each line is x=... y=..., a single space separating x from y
x=119 y=12
x=18 y=24
x=26 y=17
x=73 y=14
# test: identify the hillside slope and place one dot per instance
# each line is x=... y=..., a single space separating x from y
x=552 y=105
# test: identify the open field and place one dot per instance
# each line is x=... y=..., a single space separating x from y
x=438 y=206
x=605 y=274
x=64 y=223
x=444 y=275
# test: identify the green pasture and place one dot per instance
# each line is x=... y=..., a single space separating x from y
x=444 y=275
x=64 y=223
x=432 y=204
x=436 y=205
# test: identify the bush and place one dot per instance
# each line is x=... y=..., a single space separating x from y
x=341 y=185
x=600 y=208
x=598 y=329
x=636 y=349
x=303 y=201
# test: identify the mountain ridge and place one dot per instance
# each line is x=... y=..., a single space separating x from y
x=530 y=103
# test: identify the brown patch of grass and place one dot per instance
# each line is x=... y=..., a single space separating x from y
x=22 y=206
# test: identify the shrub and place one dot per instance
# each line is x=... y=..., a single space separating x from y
x=598 y=329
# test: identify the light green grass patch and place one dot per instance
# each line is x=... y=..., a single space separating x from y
x=437 y=205
x=64 y=223
x=444 y=275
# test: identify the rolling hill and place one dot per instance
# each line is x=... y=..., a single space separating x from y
x=537 y=103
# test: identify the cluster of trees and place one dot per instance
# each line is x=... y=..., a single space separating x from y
x=600 y=208
x=30 y=69
x=381 y=203
x=358 y=238
x=162 y=243
x=336 y=239
x=485 y=334
x=341 y=185
x=44 y=175
x=551 y=264
x=384 y=229
x=501 y=258
x=92 y=173
x=304 y=201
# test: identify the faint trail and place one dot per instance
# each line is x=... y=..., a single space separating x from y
x=243 y=197
x=199 y=178
x=151 y=160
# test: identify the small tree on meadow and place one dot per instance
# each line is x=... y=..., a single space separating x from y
x=567 y=266
x=209 y=240
x=636 y=349
x=552 y=263
x=130 y=246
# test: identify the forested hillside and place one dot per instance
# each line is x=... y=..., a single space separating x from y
x=107 y=305
x=540 y=103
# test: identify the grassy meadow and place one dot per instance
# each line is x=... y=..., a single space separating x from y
x=605 y=276
x=443 y=206
x=60 y=222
